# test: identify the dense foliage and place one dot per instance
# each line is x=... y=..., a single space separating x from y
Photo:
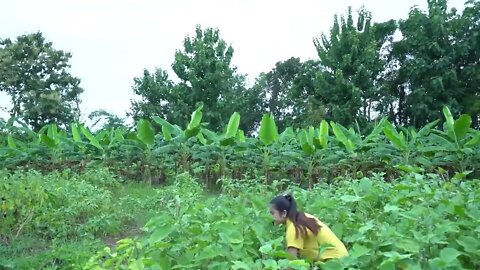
x=207 y=78
x=57 y=220
x=37 y=79
x=419 y=221
x=307 y=156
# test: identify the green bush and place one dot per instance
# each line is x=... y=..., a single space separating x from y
x=56 y=205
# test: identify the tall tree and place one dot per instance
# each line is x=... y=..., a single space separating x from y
x=288 y=91
x=206 y=76
x=275 y=87
x=438 y=63
x=155 y=91
x=352 y=59
x=108 y=120
x=309 y=106
x=37 y=78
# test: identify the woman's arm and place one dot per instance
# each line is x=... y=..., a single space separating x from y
x=293 y=251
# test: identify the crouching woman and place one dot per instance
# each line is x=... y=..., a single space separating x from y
x=305 y=233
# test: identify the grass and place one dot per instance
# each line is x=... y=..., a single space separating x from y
x=132 y=205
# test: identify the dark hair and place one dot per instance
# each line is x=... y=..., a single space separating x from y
x=299 y=219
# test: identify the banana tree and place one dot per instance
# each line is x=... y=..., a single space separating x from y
x=290 y=156
x=314 y=144
x=348 y=147
x=146 y=136
x=268 y=135
x=179 y=138
x=407 y=142
x=458 y=141
x=218 y=146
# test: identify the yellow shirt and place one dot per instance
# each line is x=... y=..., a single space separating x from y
x=309 y=247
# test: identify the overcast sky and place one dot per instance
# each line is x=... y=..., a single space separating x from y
x=112 y=41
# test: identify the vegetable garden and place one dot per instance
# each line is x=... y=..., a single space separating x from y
x=399 y=198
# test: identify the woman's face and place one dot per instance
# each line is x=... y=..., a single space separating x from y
x=279 y=217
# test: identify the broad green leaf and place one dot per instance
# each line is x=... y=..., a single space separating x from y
x=266 y=249
x=391 y=208
x=448 y=116
x=75 y=133
x=52 y=131
x=227 y=142
x=210 y=252
x=11 y=142
x=195 y=119
x=287 y=135
x=48 y=141
x=462 y=126
x=310 y=135
x=299 y=263
x=211 y=136
x=270 y=264
x=387 y=265
x=396 y=138
x=240 y=136
x=268 y=130
x=474 y=141
x=350 y=198
x=119 y=136
x=376 y=131
x=409 y=168
x=441 y=142
x=469 y=244
x=192 y=132
x=305 y=144
x=449 y=123
x=201 y=138
x=168 y=130
x=408 y=245
x=232 y=236
x=166 y=134
x=337 y=228
x=145 y=132
x=160 y=232
x=331 y=265
x=449 y=254
x=43 y=130
x=341 y=137
x=136 y=264
x=323 y=134
x=358 y=251
x=93 y=140
x=395 y=255
x=424 y=131
x=237 y=265
x=232 y=126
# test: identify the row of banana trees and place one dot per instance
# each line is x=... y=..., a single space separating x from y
x=155 y=149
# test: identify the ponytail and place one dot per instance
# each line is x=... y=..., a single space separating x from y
x=301 y=222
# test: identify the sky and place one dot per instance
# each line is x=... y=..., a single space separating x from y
x=113 y=41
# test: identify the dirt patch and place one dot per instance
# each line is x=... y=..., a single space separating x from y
x=131 y=232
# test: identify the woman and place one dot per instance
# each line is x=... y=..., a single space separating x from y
x=304 y=232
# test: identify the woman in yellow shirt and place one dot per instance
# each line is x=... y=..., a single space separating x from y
x=305 y=234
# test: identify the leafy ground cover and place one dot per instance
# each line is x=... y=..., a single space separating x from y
x=56 y=221
x=91 y=221
x=418 y=222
